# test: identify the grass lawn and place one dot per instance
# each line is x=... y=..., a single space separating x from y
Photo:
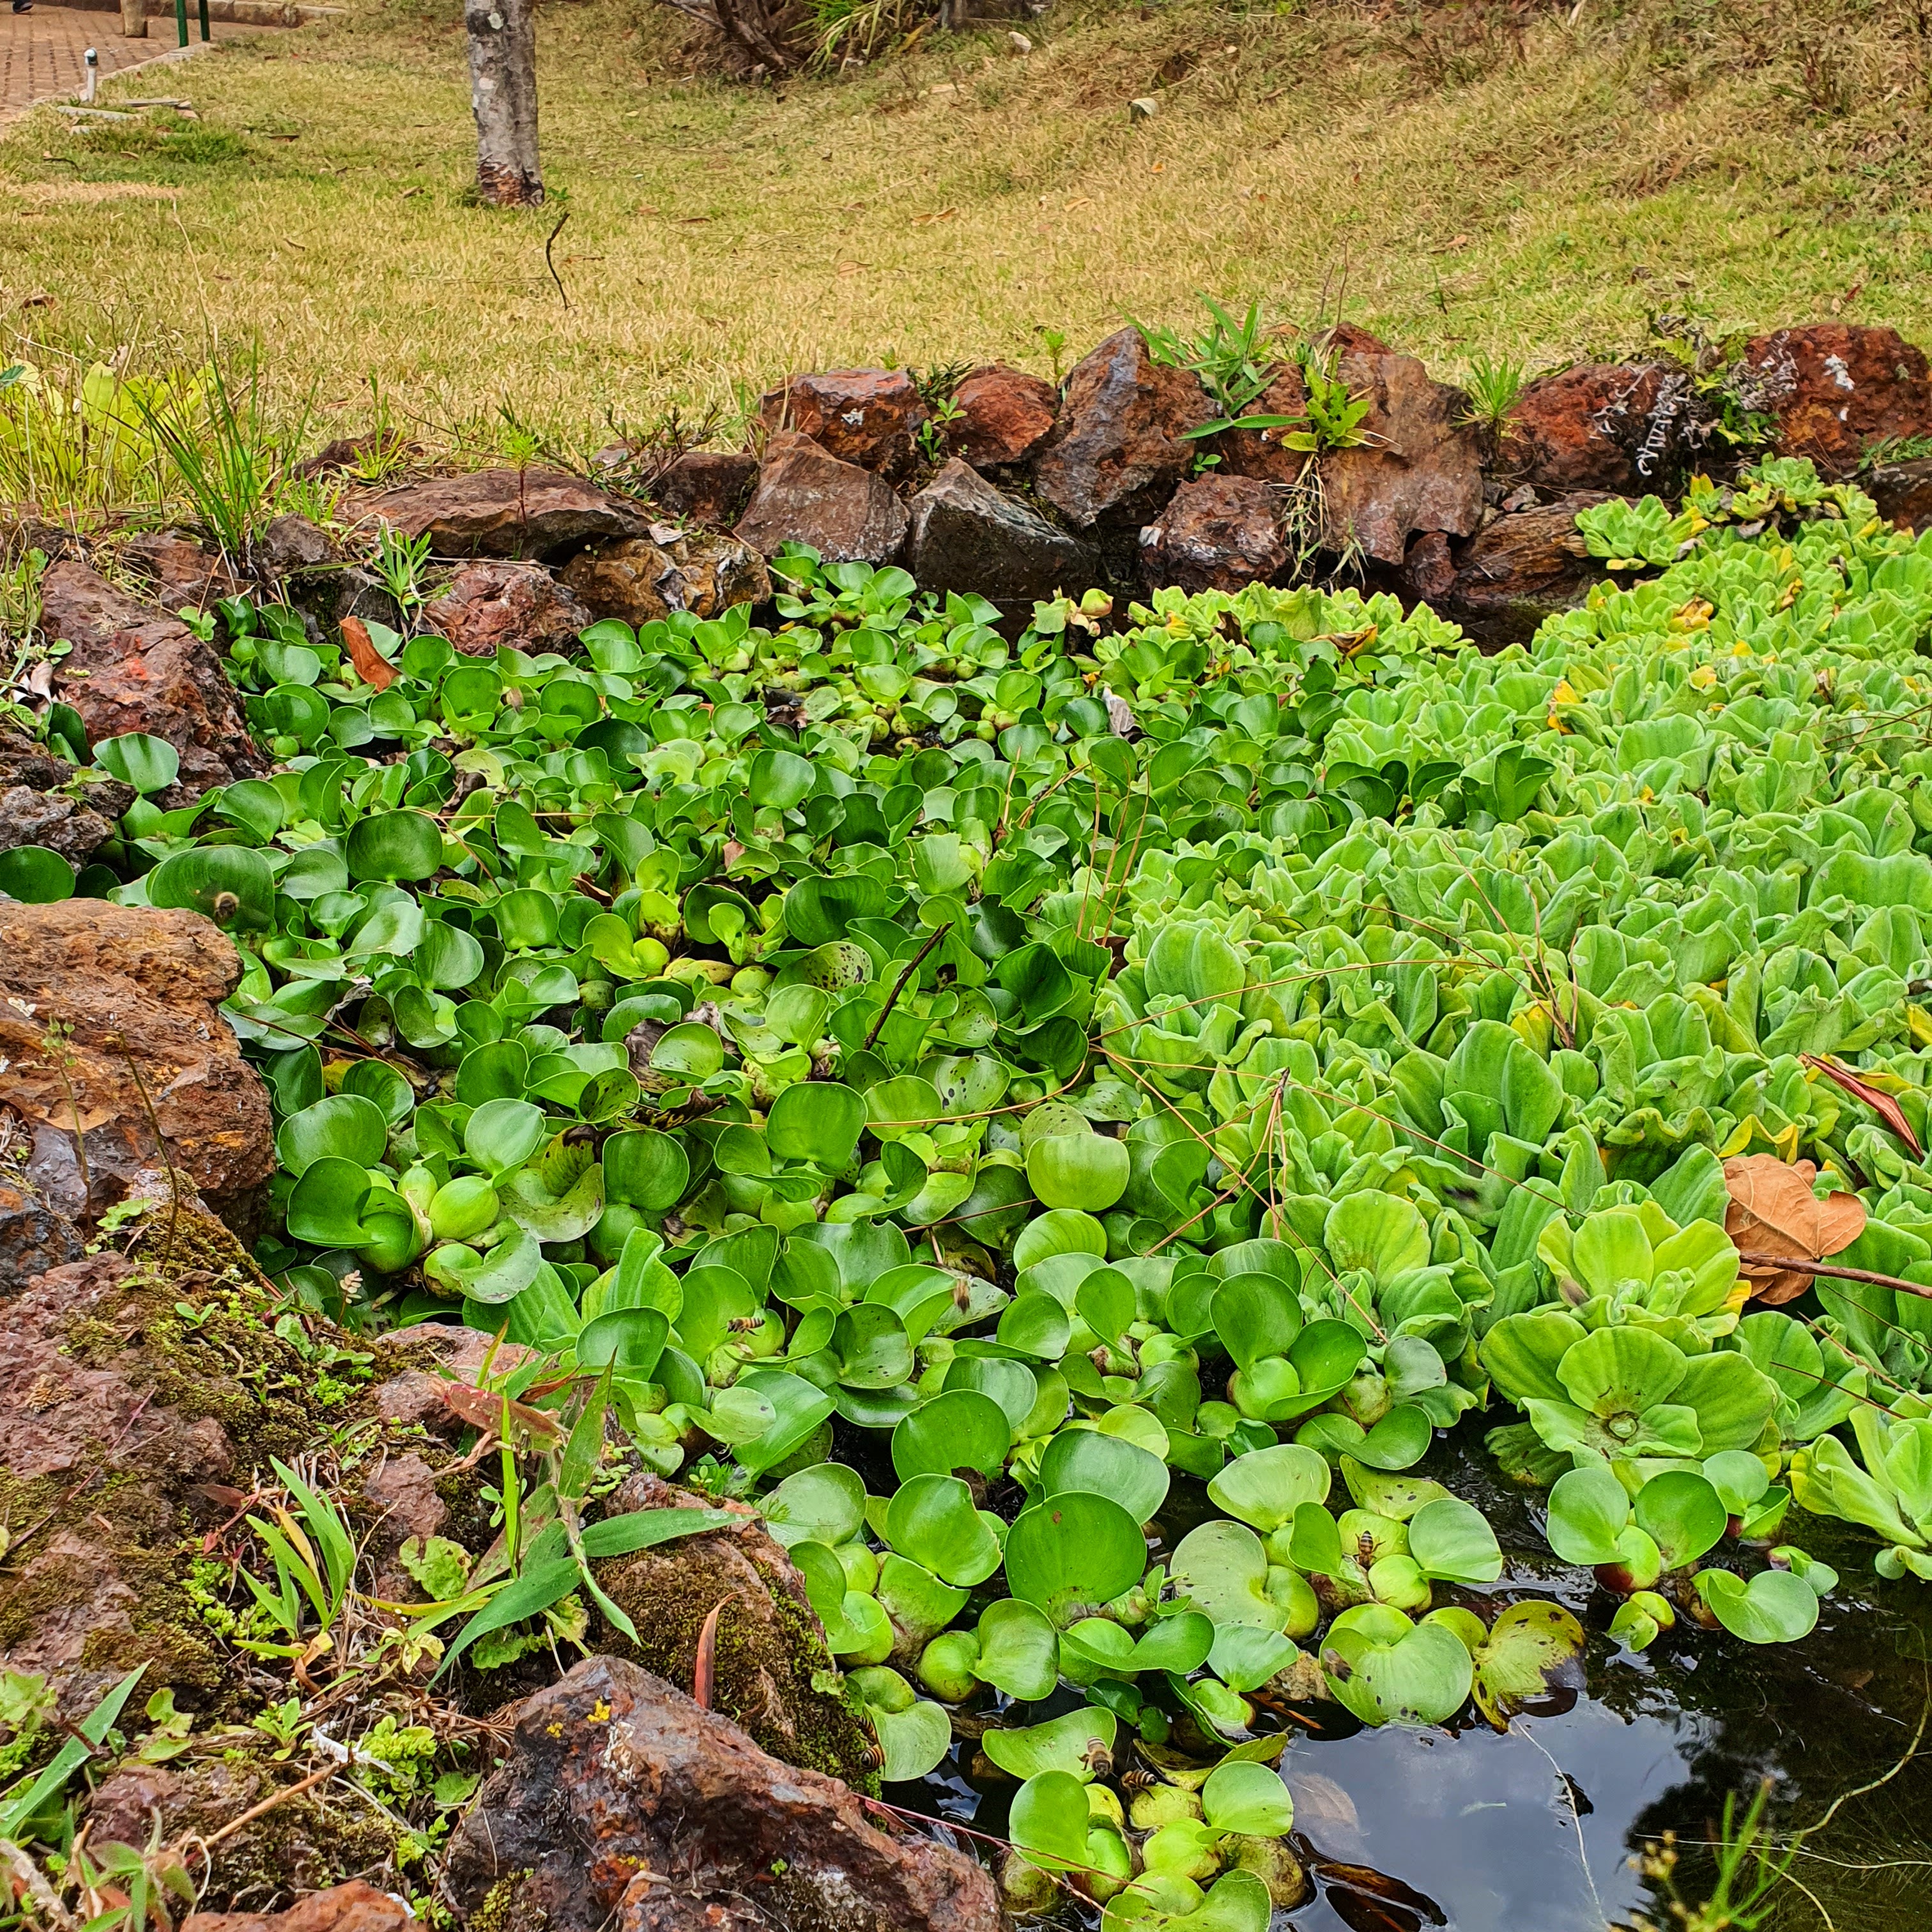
x=1464 y=179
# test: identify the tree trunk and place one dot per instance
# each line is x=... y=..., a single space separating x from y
x=134 y=19
x=503 y=92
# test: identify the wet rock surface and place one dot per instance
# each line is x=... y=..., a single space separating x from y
x=1519 y=568
x=643 y=578
x=354 y=1907
x=539 y=513
x=44 y=802
x=1217 y=533
x=806 y=495
x=1115 y=454
x=624 y=1804
x=487 y=604
x=1903 y=492
x=135 y=668
x=109 y=1030
x=706 y=486
x=968 y=536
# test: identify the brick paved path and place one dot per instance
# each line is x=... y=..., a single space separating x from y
x=41 y=53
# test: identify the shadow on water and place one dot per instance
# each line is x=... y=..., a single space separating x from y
x=1534 y=1830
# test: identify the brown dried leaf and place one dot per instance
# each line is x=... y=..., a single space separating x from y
x=1773 y=1211
x=485 y=1409
x=704 y=1668
x=1881 y=1104
x=374 y=669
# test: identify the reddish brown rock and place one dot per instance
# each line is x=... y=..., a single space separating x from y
x=353 y=1907
x=1428 y=571
x=127 y=985
x=806 y=495
x=1004 y=414
x=1417 y=469
x=966 y=536
x=1835 y=389
x=646 y=577
x=174 y=569
x=866 y=416
x=486 y=605
x=625 y=1806
x=541 y=514
x=292 y=543
x=1260 y=452
x=1620 y=428
x=1518 y=570
x=1115 y=454
x=1217 y=533
x=706 y=486
x=134 y=668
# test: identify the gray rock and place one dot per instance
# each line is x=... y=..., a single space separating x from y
x=966 y=536
x=1115 y=455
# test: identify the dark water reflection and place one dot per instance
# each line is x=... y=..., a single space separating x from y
x=1534 y=1830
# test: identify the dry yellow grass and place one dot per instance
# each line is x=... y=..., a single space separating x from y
x=1462 y=180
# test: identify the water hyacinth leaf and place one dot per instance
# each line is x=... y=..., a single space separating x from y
x=1072 y=1550
x=816 y=1120
x=1683 y=1514
x=825 y=1503
x=1069 y=1743
x=915 y=1741
x=1104 y=1465
x=394 y=845
x=230 y=884
x=1738 y=1478
x=1012 y=1385
x=870 y=1343
x=35 y=875
x=1048 y=1821
x=504 y=1272
x=1532 y=1658
x=932 y=1521
x=919 y=1603
x=1452 y=1540
x=1244 y=1656
x=1035 y=1325
x=631 y=1340
x=1180 y=1643
x=1019 y=1650
x=148 y=764
x=958 y=1429
x=1105 y=1300
x=1423 y=1677
x=1774 y=1606
x=348 y=1125
x=1255 y=1315
x=324 y=1206
x=1222 y=1568
x=1083 y=1171
x=1247 y=1798
x=1264 y=1488
x=646 y=1169
x=501 y=1134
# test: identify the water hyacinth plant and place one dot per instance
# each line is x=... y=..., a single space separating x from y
x=1150 y=1141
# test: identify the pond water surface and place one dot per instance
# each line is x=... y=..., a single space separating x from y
x=1534 y=1830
